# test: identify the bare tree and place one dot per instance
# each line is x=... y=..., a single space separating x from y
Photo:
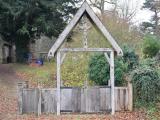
x=100 y=4
x=126 y=9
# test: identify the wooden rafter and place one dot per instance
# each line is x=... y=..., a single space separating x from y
x=85 y=50
x=85 y=8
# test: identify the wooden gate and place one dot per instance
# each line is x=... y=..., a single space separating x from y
x=83 y=100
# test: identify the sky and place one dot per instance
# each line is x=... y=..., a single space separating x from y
x=140 y=16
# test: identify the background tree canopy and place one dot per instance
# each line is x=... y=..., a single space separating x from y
x=23 y=20
x=21 y=17
x=153 y=25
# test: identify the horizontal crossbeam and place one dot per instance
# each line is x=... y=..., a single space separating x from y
x=86 y=50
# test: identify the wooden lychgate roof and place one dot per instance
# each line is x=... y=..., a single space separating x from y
x=85 y=8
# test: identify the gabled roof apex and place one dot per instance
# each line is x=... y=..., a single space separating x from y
x=84 y=8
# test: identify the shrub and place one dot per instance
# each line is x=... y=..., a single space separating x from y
x=99 y=67
x=120 y=70
x=146 y=82
x=151 y=46
x=99 y=70
x=74 y=70
x=130 y=57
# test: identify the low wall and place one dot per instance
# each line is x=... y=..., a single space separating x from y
x=83 y=100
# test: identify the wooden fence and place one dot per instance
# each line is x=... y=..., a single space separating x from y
x=83 y=100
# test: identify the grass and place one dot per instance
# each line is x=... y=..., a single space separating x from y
x=73 y=72
x=37 y=76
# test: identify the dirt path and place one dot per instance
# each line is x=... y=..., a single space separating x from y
x=7 y=76
x=8 y=92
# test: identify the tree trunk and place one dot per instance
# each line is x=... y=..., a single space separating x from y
x=156 y=22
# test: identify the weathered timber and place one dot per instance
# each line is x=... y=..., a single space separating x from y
x=112 y=82
x=90 y=98
x=58 y=83
x=49 y=102
x=85 y=8
x=39 y=102
x=105 y=101
x=87 y=97
x=83 y=100
x=130 y=96
x=86 y=50
x=21 y=85
x=30 y=99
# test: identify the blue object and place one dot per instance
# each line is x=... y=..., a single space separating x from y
x=39 y=61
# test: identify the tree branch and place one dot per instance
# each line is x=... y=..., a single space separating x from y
x=109 y=2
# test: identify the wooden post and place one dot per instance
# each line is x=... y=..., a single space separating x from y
x=130 y=96
x=25 y=84
x=58 y=83
x=21 y=86
x=20 y=95
x=112 y=82
x=39 y=101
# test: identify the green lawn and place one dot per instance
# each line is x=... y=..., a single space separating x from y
x=37 y=76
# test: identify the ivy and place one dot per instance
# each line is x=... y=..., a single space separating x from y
x=146 y=81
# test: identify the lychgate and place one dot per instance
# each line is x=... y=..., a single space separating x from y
x=109 y=52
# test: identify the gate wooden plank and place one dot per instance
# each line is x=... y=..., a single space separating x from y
x=66 y=99
x=105 y=99
x=30 y=100
x=76 y=100
x=49 y=102
x=90 y=100
x=121 y=99
x=84 y=100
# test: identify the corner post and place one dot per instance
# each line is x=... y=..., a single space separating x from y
x=130 y=96
x=112 y=82
x=58 y=83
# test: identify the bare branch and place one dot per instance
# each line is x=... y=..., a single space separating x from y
x=110 y=2
x=94 y=4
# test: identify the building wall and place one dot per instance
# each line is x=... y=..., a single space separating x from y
x=1 y=58
x=12 y=50
x=1 y=45
x=41 y=46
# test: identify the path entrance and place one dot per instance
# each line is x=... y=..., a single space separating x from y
x=8 y=92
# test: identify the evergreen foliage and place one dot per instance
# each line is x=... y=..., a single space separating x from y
x=146 y=81
x=151 y=46
x=130 y=57
x=23 y=20
x=99 y=67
